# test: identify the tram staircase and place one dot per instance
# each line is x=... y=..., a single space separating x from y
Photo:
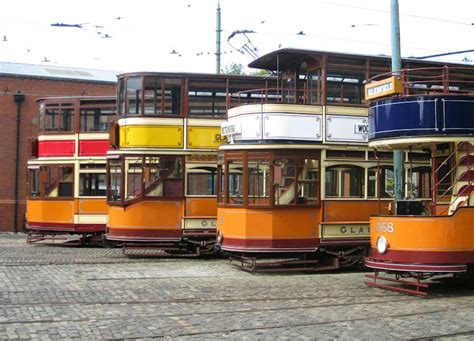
x=462 y=172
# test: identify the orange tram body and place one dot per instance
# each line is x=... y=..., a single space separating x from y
x=433 y=110
x=66 y=174
x=297 y=182
x=162 y=173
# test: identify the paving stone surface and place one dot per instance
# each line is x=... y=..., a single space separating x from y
x=55 y=292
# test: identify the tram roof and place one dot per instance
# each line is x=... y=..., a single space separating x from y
x=57 y=72
x=210 y=76
x=290 y=57
x=72 y=98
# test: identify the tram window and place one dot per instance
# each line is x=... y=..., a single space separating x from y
x=67 y=115
x=345 y=154
x=345 y=181
x=386 y=180
x=96 y=119
x=313 y=81
x=381 y=155
x=163 y=176
x=121 y=97
x=201 y=180
x=56 y=181
x=51 y=118
x=92 y=184
x=221 y=178
x=134 y=178
x=33 y=182
x=162 y=96
x=258 y=182
x=308 y=182
x=207 y=102
x=234 y=182
x=134 y=86
x=296 y=181
x=419 y=184
x=115 y=180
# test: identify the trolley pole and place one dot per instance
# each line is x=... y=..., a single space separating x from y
x=218 y=38
x=398 y=167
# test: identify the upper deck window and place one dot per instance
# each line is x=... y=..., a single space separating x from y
x=162 y=96
x=96 y=118
x=207 y=102
x=134 y=87
x=57 y=117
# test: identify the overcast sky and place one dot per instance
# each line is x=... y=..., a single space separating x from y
x=180 y=35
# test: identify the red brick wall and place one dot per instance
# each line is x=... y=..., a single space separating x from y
x=32 y=88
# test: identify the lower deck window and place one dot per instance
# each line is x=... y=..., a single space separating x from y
x=52 y=181
x=345 y=181
x=92 y=184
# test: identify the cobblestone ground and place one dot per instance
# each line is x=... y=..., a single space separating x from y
x=51 y=292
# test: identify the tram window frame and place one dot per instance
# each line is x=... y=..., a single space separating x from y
x=234 y=183
x=54 y=183
x=166 y=96
x=57 y=117
x=373 y=190
x=172 y=184
x=422 y=177
x=98 y=113
x=210 y=177
x=111 y=191
x=134 y=85
x=87 y=180
x=33 y=182
x=133 y=190
x=340 y=188
x=270 y=157
x=292 y=183
x=254 y=195
x=206 y=102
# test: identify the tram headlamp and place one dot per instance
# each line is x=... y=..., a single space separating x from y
x=382 y=244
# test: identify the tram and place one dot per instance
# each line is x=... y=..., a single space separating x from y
x=429 y=109
x=297 y=182
x=66 y=172
x=162 y=172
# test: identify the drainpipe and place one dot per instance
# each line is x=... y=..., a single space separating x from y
x=18 y=98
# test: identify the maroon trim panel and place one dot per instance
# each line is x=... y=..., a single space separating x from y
x=137 y=234
x=56 y=148
x=424 y=257
x=58 y=227
x=346 y=241
x=410 y=267
x=93 y=147
x=199 y=233
x=270 y=245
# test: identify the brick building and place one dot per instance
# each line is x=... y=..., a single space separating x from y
x=34 y=82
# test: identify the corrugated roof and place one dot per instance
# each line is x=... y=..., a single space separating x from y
x=57 y=72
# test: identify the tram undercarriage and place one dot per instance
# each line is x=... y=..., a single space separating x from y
x=324 y=259
x=187 y=246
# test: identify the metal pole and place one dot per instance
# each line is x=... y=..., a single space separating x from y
x=398 y=166
x=218 y=38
